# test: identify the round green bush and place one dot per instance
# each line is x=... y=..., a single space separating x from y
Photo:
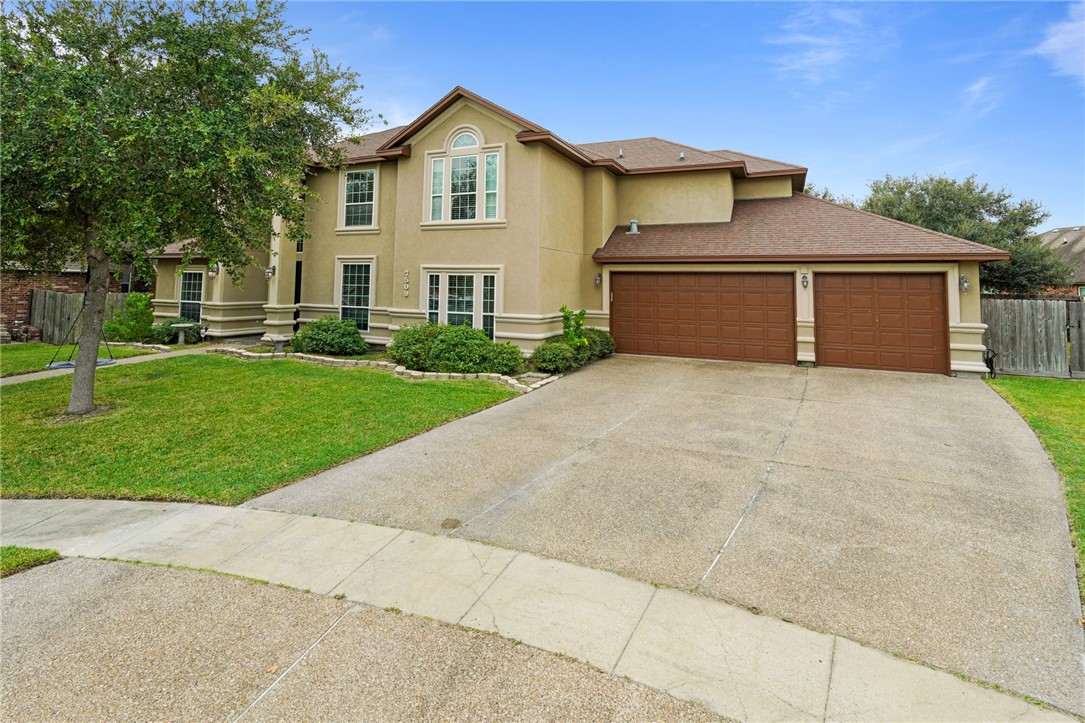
x=164 y=333
x=600 y=343
x=330 y=335
x=134 y=322
x=459 y=350
x=412 y=345
x=504 y=359
x=554 y=357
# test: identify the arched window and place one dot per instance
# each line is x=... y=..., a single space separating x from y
x=464 y=180
x=465 y=140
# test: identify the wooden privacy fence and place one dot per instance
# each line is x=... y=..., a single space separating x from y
x=54 y=313
x=1036 y=337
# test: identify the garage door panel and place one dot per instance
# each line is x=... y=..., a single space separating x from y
x=709 y=315
x=892 y=321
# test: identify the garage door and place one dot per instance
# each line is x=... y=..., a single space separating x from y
x=881 y=321
x=742 y=317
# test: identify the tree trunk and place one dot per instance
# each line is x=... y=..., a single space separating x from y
x=86 y=362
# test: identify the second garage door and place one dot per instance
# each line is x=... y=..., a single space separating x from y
x=742 y=317
x=881 y=321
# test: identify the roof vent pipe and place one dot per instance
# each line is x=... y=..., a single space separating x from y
x=633 y=226
x=620 y=154
x=681 y=155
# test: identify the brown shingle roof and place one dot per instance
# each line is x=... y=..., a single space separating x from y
x=367 y=146
x=645 y=153
x=1068 y=244
x=174 y=250
x=795 y=229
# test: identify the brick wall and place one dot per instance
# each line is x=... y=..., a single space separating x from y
x=15 y=289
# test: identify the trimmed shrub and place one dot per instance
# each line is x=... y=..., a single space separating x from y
x=163 y=333
x=504 y=359
x=134 y=322
x=459 y=350
x=330 y=335
x=600 y=343
x=412 y=345
x=554 y=357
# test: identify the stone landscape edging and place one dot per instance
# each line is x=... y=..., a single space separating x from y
x=399 y=370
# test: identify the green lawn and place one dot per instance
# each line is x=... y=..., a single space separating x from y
x=1055 y=409
x=16 y=559
x=214 y=429
x=25 y=358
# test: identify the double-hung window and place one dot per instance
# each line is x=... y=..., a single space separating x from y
x=459 y=298
x=464 y=182
x=359 y=192
x=191 y=295
x=354 y=290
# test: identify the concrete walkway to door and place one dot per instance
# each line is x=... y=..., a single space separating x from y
x=914 y=513
x=738 y=664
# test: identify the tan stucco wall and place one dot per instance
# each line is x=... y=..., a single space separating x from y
x=747 y=188
x=689 y=197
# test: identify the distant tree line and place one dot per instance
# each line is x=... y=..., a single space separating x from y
x=970 y=210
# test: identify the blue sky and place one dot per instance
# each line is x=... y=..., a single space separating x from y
x=852 y=91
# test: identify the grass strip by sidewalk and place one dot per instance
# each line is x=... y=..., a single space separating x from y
x=16 y=559
x=214 y=429
x=32 y=357
x=1055 y=409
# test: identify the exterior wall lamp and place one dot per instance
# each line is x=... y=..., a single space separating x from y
x=269 y=272
x=805 y=281
x=598 y=280
x=213 y=269
x=965 y=284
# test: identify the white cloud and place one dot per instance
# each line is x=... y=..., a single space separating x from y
x=981 y=97
x=819 y=40
x=1064 y=44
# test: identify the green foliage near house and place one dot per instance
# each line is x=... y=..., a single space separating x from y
x=443 y=348
x=17 y=559
x=974 y=211
x=130 y=125
x=1055 y=409
x=558 y=356
x=330 y=335
x=164 y=333
x=134 y=322
x=214 y=429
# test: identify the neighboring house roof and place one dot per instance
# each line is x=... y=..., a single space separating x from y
x=1068 y=244
x=174 y=250
x=796 y=229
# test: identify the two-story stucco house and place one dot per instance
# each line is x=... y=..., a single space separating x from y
x=472 y=214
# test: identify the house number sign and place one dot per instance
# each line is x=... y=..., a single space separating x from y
x=406 y=282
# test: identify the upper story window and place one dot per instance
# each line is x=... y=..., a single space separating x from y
x=465 y=180
x=358 y=191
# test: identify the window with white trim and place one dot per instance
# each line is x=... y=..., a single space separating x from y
x=359 y=193
x=464 y=182
x=354 y=285
x=125 y=282
x=463 y=298
x=191 y=296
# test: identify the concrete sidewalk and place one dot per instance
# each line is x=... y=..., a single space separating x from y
x=738 y=664
x=34 y=376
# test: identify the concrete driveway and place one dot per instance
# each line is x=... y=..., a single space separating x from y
x=914 y=513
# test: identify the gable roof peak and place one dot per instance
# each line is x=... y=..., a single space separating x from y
x=451 y=98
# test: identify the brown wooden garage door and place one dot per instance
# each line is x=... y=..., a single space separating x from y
x=743 y=317
x=881 y=321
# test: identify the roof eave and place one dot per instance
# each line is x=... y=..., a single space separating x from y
x=796 y=258
x=456 y=94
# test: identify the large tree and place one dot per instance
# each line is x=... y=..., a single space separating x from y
x=130 y=125
x=972 y=210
